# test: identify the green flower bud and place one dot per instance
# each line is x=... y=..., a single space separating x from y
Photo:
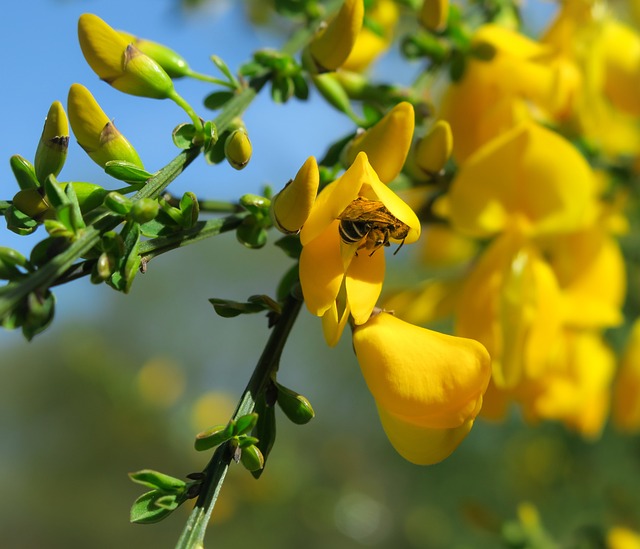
x=213 y=437
x=90 y=195
x=118 y=203
x=54 y=142
x=31 y=202
x=103 y=269
x=95 y=133
x=295 y=406
x=237 y=148
x=251 y=457
x=173 y=63
x=144 y=210
x=331 y=89
x=119 y=63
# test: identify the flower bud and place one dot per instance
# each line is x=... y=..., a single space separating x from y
x=24 y=172
x=31 y=202
x=95 y=133
x=119 y=63
x=118 y=203
x=331 y=48
x=330 y=87
x=252 y=458
x=387 y=142
x=295 y=406
x=291 y=206
x=173 y=63
x=433 y=150
x=433 y=14
x=237 y=148
x=54 y=142
x=144 y=210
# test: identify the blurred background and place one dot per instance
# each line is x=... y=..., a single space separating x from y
x=120 y=383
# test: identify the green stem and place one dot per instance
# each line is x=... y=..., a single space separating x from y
x=195 y=119
x=211 y=79
x=200 y=231
x=193 y=534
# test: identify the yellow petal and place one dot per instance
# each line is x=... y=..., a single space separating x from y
x=364 y=283
x=102 y=46
x=387 y=143
x=422 y=445
x=321 y=270
x=291 y=207
x=428 y=378
x=333 y=322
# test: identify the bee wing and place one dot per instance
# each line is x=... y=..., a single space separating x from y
x=366 y=210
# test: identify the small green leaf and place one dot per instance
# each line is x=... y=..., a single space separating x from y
x=265 y=430
x=190 y=210
x=227 y=308
x=183 y=136
x=245 y=423
x=159 y=481
x=290 y=245
x=217 y=99
x=224 y=69
x=126 y=171
x=19 y=222
x=40 y=311
x=214 y=436
x=145 y=510
x=24 y=172
x=75 y=215
x=300 y=87
x=55 y=193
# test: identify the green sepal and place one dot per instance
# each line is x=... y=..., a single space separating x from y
x=126 y=171
x=24 y=172
x=55 y=193
x=294 y=405
x=158 y=481
x=300 y=87
x=265 y=430
x=214 y=436
x=19 y=222
x=282 y=88
x=251 y=233
x=218 y=99
x=252 y=459
x=245 y=423
x=145 y=509
x=75 y=214
x=290 y=245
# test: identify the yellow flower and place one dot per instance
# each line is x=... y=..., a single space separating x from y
x=331 y=48
x=371 y=43
x=427 y=386
x=387 y=143
x=95 y=133
x=620 y=537
x=433 y=14
x=119 y=63
x=336 y=278
x=292 y=205
x=434 y=149
x=529 y=176
x=486 y=102
x=626 y=397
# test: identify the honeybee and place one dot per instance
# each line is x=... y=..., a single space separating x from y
x=369 y=220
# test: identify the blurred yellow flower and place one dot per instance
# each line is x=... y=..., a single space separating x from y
x=427 y=386
x=620 y=537
x=626 y=396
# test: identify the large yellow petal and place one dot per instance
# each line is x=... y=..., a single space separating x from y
x=364 y=283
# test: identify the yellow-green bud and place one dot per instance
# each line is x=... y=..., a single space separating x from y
x=119 y=63
x=295 y=406
x=433 y=14
x=95 y=133
x=434 y=149
x=333 y=44
x=237 y=148
x=31 y=202
x=118 y=203
x=252 y=458
x=292 y=205
x=90 y=195
x=173 y=63
x=53 y=144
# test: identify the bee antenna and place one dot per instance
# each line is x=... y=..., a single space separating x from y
x=398 y=248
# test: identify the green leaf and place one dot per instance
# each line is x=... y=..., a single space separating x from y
x=214 y=154
x=145 y=510
x=190 y=210
x=170 y=502
x=245 y=423
x=267 y=302
x=282 y=89
x=159 y=481
x=290 y=245
x=24 y=172
x=183 y=136
x=217 y=99
x=300 y=87
x=18 y=222
x=227 y=308
x=265 y=430
x=55 y=193
x=251 y=233
x=75 y=215
x=40 y=311
x=214 y=436
x=458 y=66
x=126 y=171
